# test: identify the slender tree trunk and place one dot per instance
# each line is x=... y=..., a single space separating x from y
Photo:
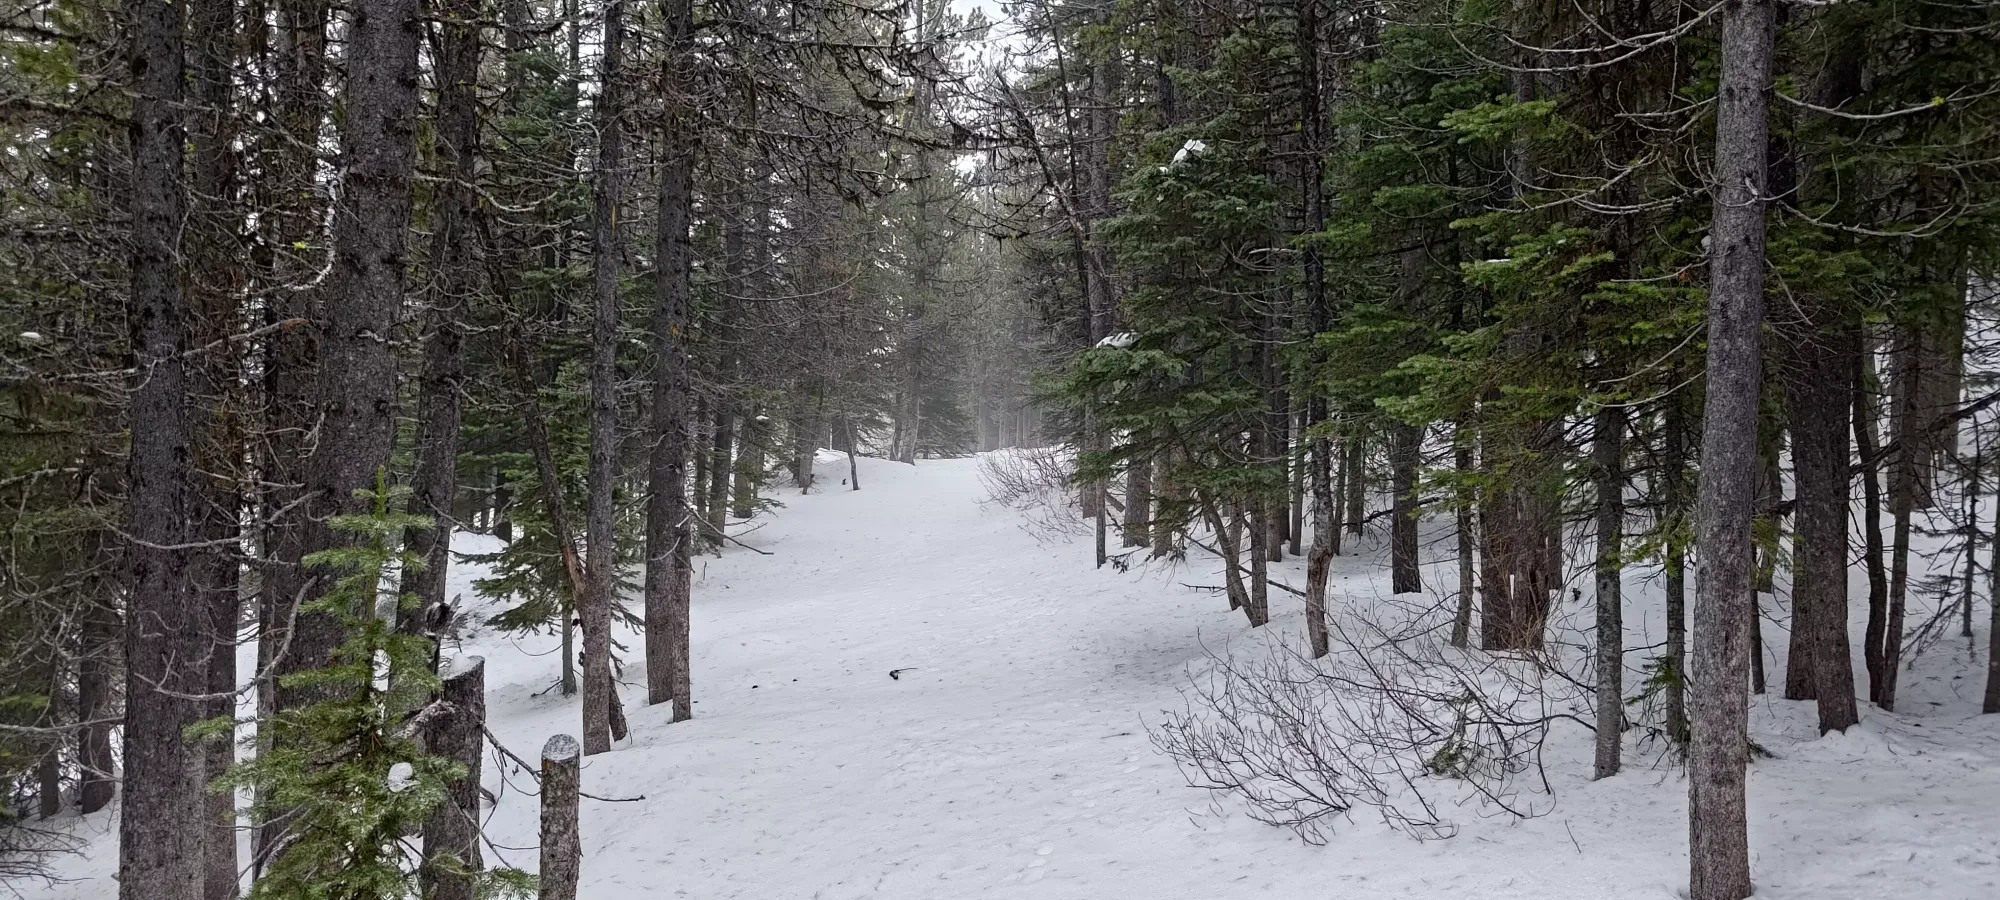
x=1296 y=506
x=600 y=516
x=1674 y=459
x=1259 y=610
x=1972 y=476
x=1313 y=423
x=749 y=464
x=723 y=439
x=669 y=550
x=1163 y=527
x=1405 y=441
x=1905 y=488
x=1608 y=452
x=1461 y=621
x=1718 y=836
x=167 y=630
x=93 y=696
x=1356 y=482
x=1992 y=698
x=216 y=280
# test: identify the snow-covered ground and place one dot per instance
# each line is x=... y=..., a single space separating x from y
x=1010 y=759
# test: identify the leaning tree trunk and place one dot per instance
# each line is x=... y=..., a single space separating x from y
x=1718 y=836
x=159 y=854
x=600 y=512
x=669 y=550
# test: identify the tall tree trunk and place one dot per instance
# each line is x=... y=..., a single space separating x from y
x=167 y=630
x=669 y=550
x=600 y=515
x=1718 y=837
x=355 y=392
x=1608 y=459
x=290 y=352
x=216 y=280
x=1825 y=355
x=454 y=284
x=1314 y=422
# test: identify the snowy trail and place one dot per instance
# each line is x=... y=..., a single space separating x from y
x=1010 y=760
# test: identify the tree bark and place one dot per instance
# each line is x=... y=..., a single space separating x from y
x=1718 y=837
x=454 y=283
x=1905 y=496
x=1608 y=452
x=749 y=464
x=562 y=849
x=216 y=281
x=355 y=393
x=600 y=515
x=669 y=570
x=93 y=695
x=1138 y=502
x=1674 y=460
x=452 y=861
x=167 y=627
x=1461 y=621
x=1404 y=443
x=1871 y=524
x=1354 y=472
x=1825 y=355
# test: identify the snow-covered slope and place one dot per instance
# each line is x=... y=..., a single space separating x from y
x=1010 y=759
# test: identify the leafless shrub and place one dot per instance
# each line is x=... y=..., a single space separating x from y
x=1395 y=721
x=26 y=850
x=1036 y=482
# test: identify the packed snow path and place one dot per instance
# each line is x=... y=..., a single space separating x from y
x=1010 y=758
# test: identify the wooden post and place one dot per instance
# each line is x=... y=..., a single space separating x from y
x=459 y=735
x=562 y=852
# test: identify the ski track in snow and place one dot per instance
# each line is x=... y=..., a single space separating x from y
x=1011 y=759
